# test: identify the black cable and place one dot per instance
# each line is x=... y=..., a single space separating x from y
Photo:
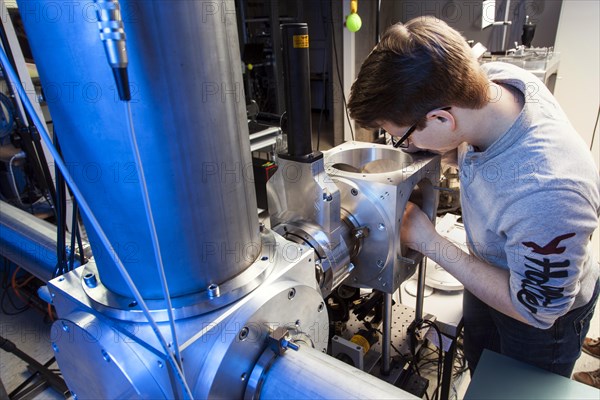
x=377 y=21
x=411 y=363
x=595 y=129
x=441 y=356
x=6 y=287
x=74 y=229
x=61 y=220
x=79 y=241
x=415 y=326
x=339 y=75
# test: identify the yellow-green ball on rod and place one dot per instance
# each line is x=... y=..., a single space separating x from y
x=353 y=22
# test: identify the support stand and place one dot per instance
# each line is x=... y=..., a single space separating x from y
x=40 y=379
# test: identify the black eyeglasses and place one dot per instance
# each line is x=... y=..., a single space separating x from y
x=403 y=143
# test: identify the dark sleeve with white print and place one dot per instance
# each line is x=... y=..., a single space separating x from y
x=546 y=248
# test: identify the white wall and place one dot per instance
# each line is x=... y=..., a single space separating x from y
x=578 y=85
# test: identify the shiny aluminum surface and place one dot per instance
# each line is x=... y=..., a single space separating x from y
x=219 y=348
x=309 y=374
x=375 y=183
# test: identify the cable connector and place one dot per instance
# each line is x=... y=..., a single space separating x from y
x=112 y=34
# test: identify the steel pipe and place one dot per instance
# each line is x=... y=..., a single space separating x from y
x=311 y=374
x=29 y=242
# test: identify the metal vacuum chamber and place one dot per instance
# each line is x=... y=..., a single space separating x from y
x=239 y=297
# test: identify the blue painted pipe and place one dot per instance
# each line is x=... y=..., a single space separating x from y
x=189 y=114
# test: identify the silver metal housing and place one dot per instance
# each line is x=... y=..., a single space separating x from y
x=101 y=357
x=349 y=207
x=375 y=183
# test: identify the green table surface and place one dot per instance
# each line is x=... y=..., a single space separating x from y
x=500 y=377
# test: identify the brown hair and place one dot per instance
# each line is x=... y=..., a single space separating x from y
x=416 y=67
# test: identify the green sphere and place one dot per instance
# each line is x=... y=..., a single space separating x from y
x=353 y=22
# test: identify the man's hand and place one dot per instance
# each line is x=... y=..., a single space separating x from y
x=417 y=230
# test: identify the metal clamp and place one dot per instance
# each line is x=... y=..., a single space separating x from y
x=277 y=343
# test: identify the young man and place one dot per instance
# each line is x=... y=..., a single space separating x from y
x=530 y=191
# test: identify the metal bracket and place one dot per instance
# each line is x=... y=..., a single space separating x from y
x=277 y=343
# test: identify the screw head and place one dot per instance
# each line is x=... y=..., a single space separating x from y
x=291 y=293
x=243 y=335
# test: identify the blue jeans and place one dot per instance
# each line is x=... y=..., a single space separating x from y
x=554 y=349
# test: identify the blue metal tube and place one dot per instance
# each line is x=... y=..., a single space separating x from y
x=87 y=213
x=29 y=242
x=188 y=110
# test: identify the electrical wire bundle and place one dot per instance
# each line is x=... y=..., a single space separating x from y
x=418 y=360
x=65 y=259
x=18 y=286
x=429 y=360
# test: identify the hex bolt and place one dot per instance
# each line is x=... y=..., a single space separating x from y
x=213 y=291
x=327 y=196
x=291 y=345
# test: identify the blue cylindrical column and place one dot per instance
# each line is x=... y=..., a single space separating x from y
x=189 y=117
